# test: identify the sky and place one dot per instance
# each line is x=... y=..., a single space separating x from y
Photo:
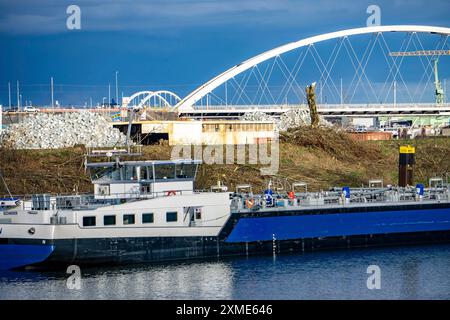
x=172 y=44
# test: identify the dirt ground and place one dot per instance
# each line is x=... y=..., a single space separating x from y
x=321 y=157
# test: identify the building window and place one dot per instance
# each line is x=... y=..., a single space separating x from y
x=89 y=221
x=171 y=216
x=109 y=220
x=147 y=218
x=128 y=219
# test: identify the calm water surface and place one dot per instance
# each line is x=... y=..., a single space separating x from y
x=419 y=272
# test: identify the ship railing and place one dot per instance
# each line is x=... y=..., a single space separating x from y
x=88 y=201
x=333 y=198
x=139 y=195
x=95 y=201
x=133 y=150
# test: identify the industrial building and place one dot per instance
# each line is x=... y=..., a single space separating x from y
x=200 y=132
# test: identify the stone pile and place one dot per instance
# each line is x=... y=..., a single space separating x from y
x=294 y=118
x=50 y=131
x=256 y=116
x=290 y=119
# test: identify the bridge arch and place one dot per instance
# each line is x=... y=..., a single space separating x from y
x=160 y=94
x=150 y=94
x=188 y=102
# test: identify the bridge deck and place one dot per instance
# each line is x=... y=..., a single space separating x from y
x=326 y=110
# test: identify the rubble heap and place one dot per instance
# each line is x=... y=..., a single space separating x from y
x=256 y=116
x=51 y=131
x=294 y=118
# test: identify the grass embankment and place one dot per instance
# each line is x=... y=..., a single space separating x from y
x=320 y=157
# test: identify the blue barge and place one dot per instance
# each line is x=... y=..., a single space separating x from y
x=149 y=211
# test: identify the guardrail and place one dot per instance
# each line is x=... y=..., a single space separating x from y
x=415 y=106
x=87 y=201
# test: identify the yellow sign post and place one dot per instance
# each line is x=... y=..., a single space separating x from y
x=407 y=149
x=406 y=165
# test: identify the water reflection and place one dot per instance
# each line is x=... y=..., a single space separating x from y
x=406 y=272
x=410 y=278
x=201 y=280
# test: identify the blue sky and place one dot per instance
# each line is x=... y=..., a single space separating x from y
x=175 y=45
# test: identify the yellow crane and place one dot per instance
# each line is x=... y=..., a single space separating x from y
x=439 y=91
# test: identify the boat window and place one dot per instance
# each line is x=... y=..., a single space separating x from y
x=184 y=171
x=165 y=171
x=146 y=173
x=104 y=173
x=100 y=172
x=109 y=220
x=147 y=218
x=89 y=221
x=198 y=213
x=130 y=173
x=171 y=216
x=128 y=219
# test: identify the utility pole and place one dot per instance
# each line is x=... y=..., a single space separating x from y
x=226 y=94
x=117 y=89
x=321 y=97
x=109 y=95
x=18 y=96
x=445 y=90
x=395 y=93
x=9 y=94
x=51 y=81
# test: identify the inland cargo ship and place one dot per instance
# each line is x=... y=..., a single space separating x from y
x=150 y=211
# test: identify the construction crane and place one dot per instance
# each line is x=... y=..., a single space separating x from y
x=439 y=90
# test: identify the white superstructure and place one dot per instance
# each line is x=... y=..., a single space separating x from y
x=131 y=199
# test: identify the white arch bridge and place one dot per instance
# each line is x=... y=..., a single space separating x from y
x=153 y=99
x=357 y=71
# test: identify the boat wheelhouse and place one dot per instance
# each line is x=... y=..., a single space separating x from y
x=142 y=179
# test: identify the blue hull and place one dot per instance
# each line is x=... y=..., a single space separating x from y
x=250 y=229
x=20 y=255
x=248 y=233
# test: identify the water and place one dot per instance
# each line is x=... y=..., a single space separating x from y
x=419 y=272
